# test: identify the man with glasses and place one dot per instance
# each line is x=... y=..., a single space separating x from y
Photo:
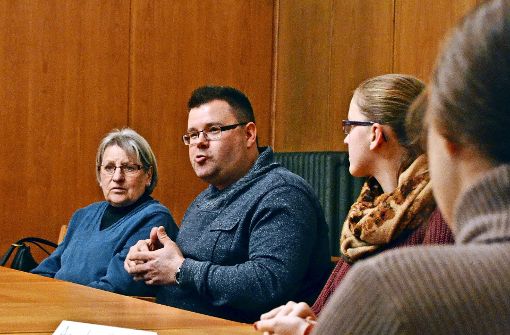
x=254 y=239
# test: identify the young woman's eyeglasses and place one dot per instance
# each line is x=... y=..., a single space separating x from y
x=212 y=133
x=127 y=169
x=348 y=124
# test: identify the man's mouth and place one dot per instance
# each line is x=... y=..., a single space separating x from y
x=200 y=159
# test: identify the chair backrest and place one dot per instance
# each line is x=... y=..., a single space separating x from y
x=328 y=174
x=62 y=233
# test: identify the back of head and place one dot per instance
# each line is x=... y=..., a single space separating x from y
x=237 y=100
x=470 y=89
x=134 y=145
x=416 y=134
x=386 y=99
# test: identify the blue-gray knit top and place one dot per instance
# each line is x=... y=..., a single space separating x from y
x=252 y=246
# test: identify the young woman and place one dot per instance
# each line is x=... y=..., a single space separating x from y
x=395 y=208
x=460 y=289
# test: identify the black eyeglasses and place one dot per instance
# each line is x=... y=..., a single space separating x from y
x=127 y=169
x=348 y=124
x=212 y=133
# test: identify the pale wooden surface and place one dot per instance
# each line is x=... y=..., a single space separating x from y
x=31 y=304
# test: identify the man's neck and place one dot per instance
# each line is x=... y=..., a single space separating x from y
x=243 y=169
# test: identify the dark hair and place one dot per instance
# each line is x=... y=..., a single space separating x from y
x=415 y=127
x=470 y=88
x=386 y=99
x=237 y=100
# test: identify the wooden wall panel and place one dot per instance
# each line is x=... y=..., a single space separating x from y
x=325 y=49
x=303 y=78
x=177 y=46
x=63 y=85
x=362 y=47
x=420 y=27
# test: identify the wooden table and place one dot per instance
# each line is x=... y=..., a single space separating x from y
x=31 y=304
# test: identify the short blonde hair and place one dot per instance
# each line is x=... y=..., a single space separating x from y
x=133 y=144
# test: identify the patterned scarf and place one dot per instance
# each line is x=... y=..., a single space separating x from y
x=378 y=218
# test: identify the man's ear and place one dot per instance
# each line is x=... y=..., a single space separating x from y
x=251 y=134
x=377 y=137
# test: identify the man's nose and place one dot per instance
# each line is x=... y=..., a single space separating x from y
x=202 y=139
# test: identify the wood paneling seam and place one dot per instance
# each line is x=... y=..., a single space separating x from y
x=276 y=20
x=130 y=66
x=330 y=56
x=394 y=36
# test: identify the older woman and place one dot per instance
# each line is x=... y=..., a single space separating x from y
x=99 y=236
x=395 y=208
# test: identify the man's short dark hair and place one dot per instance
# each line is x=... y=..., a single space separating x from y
x=237 y=100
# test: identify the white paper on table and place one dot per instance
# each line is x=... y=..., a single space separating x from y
x=81 y=328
